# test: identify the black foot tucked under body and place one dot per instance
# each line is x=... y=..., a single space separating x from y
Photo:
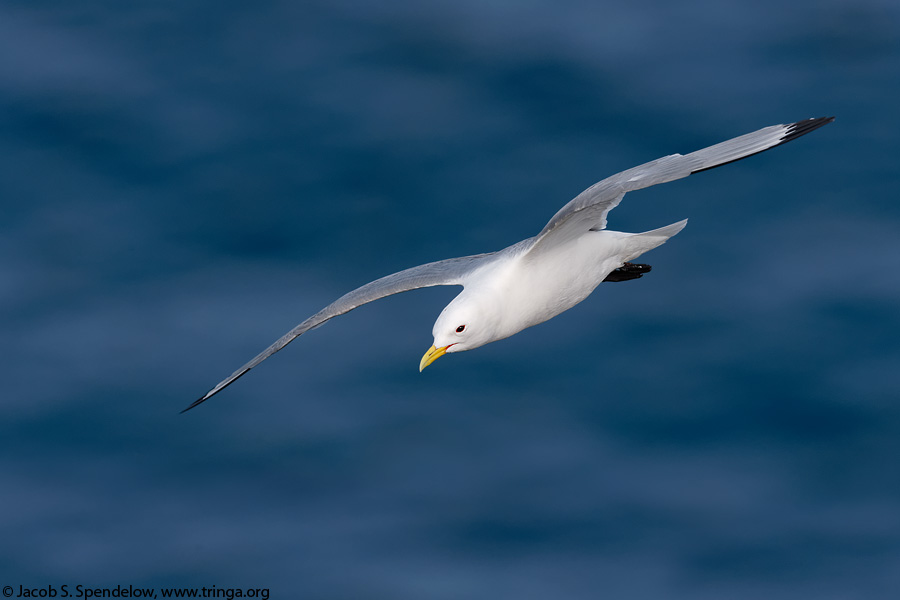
x=627 y=272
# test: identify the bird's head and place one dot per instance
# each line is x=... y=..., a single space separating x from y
x=462 y=325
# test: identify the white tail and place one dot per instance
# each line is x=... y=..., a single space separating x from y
x=638 y=243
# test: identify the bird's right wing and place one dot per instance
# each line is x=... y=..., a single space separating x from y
x=452 y=271
x=588 y=210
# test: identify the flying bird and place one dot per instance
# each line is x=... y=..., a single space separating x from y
x=536 y=279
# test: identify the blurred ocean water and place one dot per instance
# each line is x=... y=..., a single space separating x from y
x=183 y=182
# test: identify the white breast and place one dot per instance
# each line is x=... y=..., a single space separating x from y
x=526 y=291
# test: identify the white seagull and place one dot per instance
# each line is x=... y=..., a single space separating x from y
x=538 y=278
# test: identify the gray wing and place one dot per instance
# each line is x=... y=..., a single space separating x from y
x=589 y=209
x=452 y=271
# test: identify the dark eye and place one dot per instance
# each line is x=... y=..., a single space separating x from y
x=460 y=329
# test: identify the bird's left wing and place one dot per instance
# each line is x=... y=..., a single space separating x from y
x=452 y=271
x=589 y=209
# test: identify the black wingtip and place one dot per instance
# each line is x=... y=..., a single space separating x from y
x=791 y=132
x=218 y=388
x=195 y=403
x=795 y=130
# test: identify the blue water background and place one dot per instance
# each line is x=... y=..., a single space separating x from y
x=183 y=182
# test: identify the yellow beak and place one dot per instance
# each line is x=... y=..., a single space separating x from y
x=432 y=355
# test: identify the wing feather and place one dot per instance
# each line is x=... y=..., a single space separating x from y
x=452 y=271
x=589 y=209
